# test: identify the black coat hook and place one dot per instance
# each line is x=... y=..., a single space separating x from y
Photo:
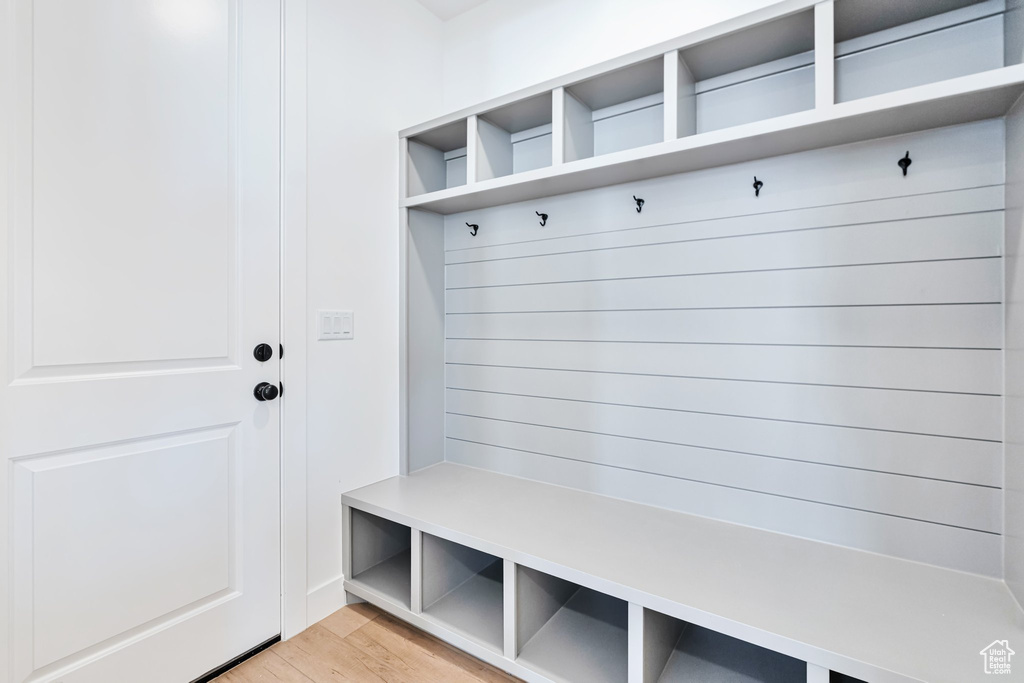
x=639 y=203
x=473 y=227
x=757 y=187
x=905 y=162
x=543 y=218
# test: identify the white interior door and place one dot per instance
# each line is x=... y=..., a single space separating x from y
x=139 y=237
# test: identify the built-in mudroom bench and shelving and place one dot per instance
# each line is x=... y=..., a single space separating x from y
x=712 y=359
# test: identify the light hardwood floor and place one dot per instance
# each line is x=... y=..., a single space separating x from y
x=361 y=643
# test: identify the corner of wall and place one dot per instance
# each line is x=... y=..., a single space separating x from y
x=1013 y=355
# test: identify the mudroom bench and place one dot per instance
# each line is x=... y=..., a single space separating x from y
x=555 y=584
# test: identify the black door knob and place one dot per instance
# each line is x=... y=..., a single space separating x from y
x=265 y=391
x=263 y=352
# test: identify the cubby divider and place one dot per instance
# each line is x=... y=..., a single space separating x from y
x=570 y=632
x=381 y=556
x=675 y=651
x=463 y=590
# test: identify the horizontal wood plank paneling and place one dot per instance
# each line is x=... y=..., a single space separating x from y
x=975 y=235
x=955 y=504
x=913 y=207
x=974 y=551
x=972 y=327
x=950 y=370
x=825 y=360
x=939 y=282
x=957 y=460
x=966 y=416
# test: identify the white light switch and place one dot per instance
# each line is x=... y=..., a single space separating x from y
x=335 y=325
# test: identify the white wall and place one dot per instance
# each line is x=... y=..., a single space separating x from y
x=504 y=45
x=374 y=67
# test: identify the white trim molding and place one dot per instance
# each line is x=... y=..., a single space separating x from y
x=294 y=603
x=325 y=600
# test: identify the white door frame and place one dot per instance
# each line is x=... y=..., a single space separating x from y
x=293 y=318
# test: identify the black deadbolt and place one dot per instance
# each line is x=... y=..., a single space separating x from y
x=263 y=352
x=265 y=391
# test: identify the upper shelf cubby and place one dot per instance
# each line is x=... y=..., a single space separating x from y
x=514 y=138
x=618 y=110
x=793 y=76
x=437 y=159
x=882 y=46
x=758 y=73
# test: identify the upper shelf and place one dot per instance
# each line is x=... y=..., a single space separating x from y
x=793 y=77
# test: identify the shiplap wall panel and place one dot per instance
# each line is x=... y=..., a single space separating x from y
x=973 y=507
x=973 y=551
x=946 y=237
x=942 y=204
x=531 y=153
x=950 y=370
x=634 y=128
x=824 y=360
x=977 y=327
x=966 y=416
x=756 y=99
x=923 y=282
x=956 y=460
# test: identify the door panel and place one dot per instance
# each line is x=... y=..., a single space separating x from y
x=133 y=180
x=141 y=242
x=156 y=573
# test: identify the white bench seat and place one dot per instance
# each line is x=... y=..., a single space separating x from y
x=866 y=615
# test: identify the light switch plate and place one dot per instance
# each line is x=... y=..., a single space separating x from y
x=333 y=325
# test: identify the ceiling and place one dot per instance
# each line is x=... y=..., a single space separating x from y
x=446 y=9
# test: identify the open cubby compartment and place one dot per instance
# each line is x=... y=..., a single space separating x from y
x=836 y=677
x=675 y=651
x=514 y=138
x=437 y=159
x=381 y=552
x=884 y=46
x=568 y=632
x=618 y=110
x=751 y=75
x=463 y=590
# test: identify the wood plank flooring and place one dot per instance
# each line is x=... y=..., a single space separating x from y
x=360 y=643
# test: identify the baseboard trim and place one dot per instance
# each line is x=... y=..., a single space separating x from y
x=325 y=600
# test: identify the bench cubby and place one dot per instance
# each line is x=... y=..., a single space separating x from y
x=675 y=651
x=463 y=590
x=835 y=677
x=381 y=556
x=570 y=632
